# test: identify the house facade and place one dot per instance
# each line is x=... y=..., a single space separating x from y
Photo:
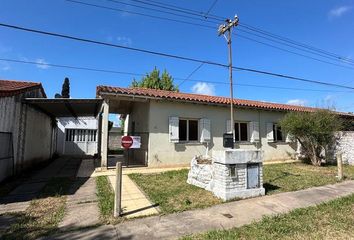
x=174 y=127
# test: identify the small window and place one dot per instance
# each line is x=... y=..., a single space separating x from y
x=188 y=130
x=278 y=134
x=241 y=131
x=69 y=135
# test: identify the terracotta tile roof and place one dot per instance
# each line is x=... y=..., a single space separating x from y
x=161 y=94
x=11 y=88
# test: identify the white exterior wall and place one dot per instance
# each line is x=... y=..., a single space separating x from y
x=162 y=152
x=90 y=123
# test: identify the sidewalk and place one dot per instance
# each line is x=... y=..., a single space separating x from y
x=229 y=215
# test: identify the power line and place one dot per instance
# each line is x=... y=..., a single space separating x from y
x=206 y=26
x=190 y=59
x=220 y=18
x=210 y=8
x=137 y=13
x=176 y=78
x=146 y=8
x=191 y=74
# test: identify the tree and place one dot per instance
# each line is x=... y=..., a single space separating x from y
x=65 y=92
x=314 y=131
x=155 y=81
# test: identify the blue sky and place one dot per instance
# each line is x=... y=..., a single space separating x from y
x=324 y=24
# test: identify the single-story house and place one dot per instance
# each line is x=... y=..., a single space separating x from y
x=175 y=126
x=22 y=127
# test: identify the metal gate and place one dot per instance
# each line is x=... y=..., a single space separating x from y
x=7 y=166
x=138 y=156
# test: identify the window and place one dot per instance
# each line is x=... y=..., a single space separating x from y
x=91 y=135
x=241 y=131
x=79 y=135
x=278 y=134
x=69 y=135
x=188 y=130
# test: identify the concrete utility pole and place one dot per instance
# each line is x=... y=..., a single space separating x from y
x=222 y=29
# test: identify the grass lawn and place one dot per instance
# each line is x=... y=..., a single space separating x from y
x=43 y=215
x=173 y=194
x=105 y=196
x=332 y=220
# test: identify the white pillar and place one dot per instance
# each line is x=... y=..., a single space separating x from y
x=104 y=138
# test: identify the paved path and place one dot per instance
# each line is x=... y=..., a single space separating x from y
x=242 y=212
x=134 y=201
x=18 y=200
x=81 y=205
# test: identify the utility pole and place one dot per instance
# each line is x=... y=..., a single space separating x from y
x=222 y=30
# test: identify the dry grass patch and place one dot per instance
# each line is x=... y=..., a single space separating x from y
x=43 y=215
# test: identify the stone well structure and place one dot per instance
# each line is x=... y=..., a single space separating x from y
x=229 y=174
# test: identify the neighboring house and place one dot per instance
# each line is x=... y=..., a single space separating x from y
x=114 y=138
x=22 y=127
x=177 y=126
x=77 y=136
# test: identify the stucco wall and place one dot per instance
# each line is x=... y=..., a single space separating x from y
x=162 y=152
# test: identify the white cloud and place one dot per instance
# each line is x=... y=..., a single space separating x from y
x=299 y=102
x=4 y=66
x=41 y=63
x=203 y=88
x=339 y=11
x=126 y=41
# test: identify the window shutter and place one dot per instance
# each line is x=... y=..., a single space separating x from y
x=204 y=126
x=173 y=129
x=270 y=133
x=254 y=131
x=289 y=138
x=228 y=126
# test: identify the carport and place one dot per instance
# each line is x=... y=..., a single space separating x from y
x=61 y=107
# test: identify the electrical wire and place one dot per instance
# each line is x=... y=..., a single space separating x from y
x=176 y=78
x=211 y=27
x=190 y=59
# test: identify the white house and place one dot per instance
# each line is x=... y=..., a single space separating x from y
x=175 y=126
x=77 y=136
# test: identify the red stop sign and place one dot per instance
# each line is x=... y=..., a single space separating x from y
x=127 y=142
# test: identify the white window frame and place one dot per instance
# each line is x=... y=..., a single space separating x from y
x=239 y=132
x=187 y=136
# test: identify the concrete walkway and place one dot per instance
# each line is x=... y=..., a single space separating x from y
x=18 y=200
x=228 y=215
x=134 y=201
x=81 y=205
